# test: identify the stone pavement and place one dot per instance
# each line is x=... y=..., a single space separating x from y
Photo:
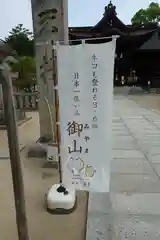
x=135 y=178
x=27 y=133
x=135 y=182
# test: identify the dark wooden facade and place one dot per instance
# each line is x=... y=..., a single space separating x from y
x=138 y=47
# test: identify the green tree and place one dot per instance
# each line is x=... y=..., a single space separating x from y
x=26 y=69
x=149 y=15
x=20 y=39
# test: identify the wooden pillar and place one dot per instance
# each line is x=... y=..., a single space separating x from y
x=16 y=169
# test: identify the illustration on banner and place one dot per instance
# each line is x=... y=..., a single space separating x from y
x=79 y=169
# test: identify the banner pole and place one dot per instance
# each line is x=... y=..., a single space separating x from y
x=86 y=215
x=57 y=118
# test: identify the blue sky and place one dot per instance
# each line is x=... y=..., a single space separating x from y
x=81 y=12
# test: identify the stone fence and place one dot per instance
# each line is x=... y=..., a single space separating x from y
x=26 y=101
x=23 y=102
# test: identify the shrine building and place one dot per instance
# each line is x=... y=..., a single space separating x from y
x=137 y=58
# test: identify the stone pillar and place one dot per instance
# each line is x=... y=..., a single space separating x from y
x=50 y=23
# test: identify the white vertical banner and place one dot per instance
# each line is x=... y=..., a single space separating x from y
x=85 y=84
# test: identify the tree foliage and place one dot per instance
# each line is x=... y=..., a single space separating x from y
x=26 y=69
x=20 y=39
x=149 y=15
